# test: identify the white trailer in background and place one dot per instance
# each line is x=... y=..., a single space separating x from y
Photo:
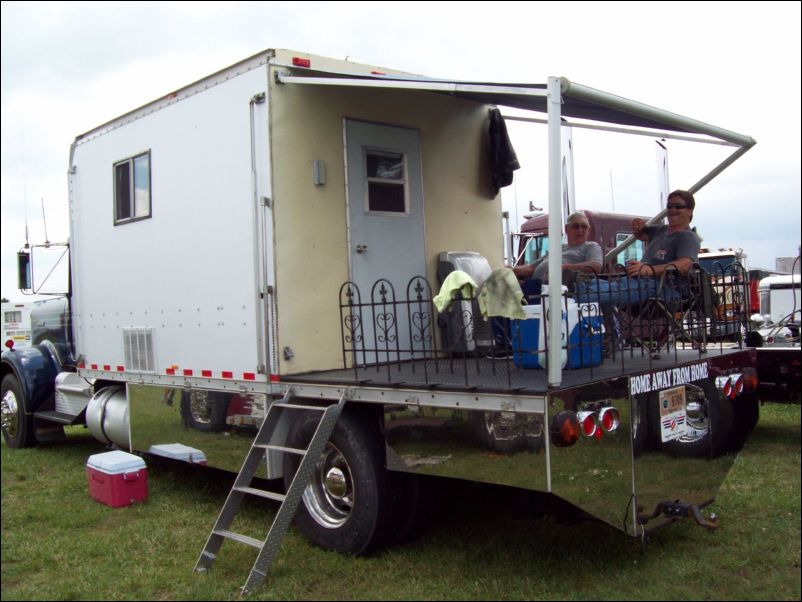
x=273 y=231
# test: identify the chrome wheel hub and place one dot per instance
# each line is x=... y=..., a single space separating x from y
x=329 y=497
x=9 y=408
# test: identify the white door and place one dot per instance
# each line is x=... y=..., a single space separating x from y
x=385 y=213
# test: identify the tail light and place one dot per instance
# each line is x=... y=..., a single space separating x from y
x=564 y=429
x=751 y=380
x=587 y=422
x=609 y=419
x=724 y=386
x=737 y=381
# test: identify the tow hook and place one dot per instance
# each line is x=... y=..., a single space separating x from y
x=681 y=509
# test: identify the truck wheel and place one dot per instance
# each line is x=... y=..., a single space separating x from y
x=710 y=424
x=17 y=425
x=347 y=506
x=204 y=410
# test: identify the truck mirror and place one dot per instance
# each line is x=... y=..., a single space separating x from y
x=24 y=270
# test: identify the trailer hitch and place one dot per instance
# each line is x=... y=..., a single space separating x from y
x=681 y=509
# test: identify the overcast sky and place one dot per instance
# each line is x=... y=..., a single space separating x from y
x=67 y=67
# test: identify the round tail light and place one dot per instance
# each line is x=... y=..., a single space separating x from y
x=609 y=419
x=588 y=424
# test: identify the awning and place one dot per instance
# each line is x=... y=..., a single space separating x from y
x=578 y=101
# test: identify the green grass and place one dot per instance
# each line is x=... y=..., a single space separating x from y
x=58 y=544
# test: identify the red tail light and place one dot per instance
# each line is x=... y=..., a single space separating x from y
x=751 y=380
x=609 y=419
x=587 y=421
x=564 y=429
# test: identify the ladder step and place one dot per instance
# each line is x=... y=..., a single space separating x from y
x=278 y=497
x=295 y=406
x=279 y=448
x=250 y=541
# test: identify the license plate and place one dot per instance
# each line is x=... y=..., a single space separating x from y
x=673 y=418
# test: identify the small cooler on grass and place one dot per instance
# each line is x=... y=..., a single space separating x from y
x=179 y=451
x=117 y=478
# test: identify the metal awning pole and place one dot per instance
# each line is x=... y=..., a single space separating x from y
x=693 y=190
x=554 y=101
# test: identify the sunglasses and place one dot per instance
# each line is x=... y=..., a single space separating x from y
x=579 y=227
x=676 y=206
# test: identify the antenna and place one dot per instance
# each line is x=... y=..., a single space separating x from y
x=27 y=246
x=44 y=221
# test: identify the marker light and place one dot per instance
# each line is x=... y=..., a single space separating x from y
x=300 y=62
x=10 y=344
x=751 y=380
x=564 y=429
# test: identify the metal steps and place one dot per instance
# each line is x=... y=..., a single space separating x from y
x=289 y=502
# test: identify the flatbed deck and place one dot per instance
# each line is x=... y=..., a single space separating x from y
x=499 y=376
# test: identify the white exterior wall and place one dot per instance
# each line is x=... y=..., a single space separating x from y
x=191 y=271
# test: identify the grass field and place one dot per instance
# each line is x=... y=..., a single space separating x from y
x=484 y=543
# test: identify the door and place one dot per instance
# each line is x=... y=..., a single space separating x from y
x=386 y=233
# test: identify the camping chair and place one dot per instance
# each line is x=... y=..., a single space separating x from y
x=681 y=310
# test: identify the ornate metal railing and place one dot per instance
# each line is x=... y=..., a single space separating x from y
x=607 y=320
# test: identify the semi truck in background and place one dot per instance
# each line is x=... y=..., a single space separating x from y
x=267 y=155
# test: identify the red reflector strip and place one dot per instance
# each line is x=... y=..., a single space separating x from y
x=187 y=372
x=227 y=374
x=206 y=373
x=170 y=371
x=299 y=62
x=249 y=376
x=377 y=73
x=120 y=368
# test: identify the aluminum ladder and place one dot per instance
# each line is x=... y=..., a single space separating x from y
x=289 y=502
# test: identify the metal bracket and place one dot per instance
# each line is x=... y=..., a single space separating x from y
x=681 y=509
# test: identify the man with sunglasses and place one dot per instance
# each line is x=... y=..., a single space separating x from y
x=579 y=255
x=673 y=247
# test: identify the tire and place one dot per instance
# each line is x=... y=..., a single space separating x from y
x=204 y=410
x=710 y=432
x=16 y=424
x=350 y=505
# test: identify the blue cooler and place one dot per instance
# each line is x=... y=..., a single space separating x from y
x=585 y=344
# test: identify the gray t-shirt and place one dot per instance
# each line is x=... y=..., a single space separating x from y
x=587 y=251
x=664 y=248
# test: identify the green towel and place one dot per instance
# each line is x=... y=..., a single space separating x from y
x=456 y=281
x=501 y=295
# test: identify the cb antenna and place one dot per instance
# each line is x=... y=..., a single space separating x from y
x=44 y=221
x=27 y=246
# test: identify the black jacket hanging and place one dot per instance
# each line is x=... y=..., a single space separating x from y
x=503 y=160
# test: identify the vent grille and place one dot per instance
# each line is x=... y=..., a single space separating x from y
x=139 y=353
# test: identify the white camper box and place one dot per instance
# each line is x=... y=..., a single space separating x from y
x=249 y=229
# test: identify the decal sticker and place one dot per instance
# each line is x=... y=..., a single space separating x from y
x=673 y=423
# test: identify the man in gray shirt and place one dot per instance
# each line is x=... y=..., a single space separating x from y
x=673 y=247
x=579 y=255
